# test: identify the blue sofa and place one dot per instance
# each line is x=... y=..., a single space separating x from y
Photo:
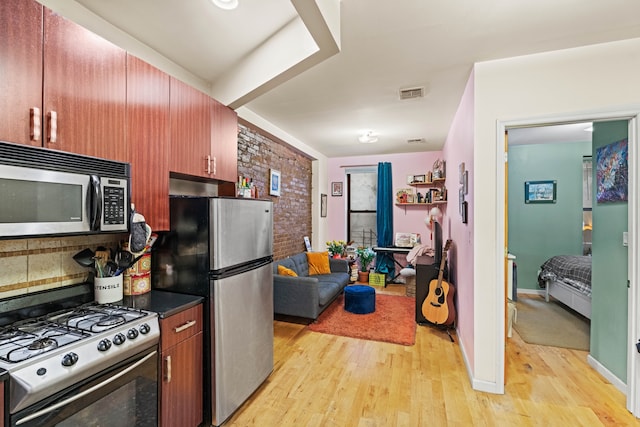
x=307 y=296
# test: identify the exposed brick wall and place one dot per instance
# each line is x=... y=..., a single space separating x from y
x=258 y=153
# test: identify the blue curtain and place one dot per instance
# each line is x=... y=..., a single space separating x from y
x=384 y=213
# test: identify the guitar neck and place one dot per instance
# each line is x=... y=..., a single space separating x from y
x=442 y=262
x=441 y=269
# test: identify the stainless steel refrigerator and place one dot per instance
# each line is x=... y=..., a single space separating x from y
x=222 y=249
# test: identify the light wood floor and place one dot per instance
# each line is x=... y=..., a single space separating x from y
x=326 y=380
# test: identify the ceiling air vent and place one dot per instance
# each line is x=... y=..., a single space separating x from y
x=416 y=141
x=415 y=92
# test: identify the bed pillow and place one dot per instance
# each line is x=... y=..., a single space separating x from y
x=284 y=271
x=318 y=263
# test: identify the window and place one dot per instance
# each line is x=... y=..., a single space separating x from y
x=362 y=192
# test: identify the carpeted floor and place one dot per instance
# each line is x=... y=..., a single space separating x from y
x=393 y=321
x=552 y=324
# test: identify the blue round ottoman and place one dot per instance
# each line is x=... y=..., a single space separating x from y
x=360 y=299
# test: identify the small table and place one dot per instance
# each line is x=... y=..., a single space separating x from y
x=392 y=251
x=359 y=299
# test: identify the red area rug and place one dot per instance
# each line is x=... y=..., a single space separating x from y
x=393 y=321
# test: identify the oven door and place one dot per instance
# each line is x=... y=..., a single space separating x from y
x=124 y=395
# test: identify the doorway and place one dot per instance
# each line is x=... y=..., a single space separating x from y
x=632 y=378
x=545 y=237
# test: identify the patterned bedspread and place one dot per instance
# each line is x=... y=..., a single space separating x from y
x=571 y=269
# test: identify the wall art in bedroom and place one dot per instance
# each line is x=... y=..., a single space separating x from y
x=540 y=191
x=612 y=172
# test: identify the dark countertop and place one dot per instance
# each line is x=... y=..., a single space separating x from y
x=162 y=302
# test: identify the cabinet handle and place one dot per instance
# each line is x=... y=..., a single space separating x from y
x=167 y=369
x=53 y=127
x=184 y=327
x=207 y=168
x=214 y=165
x=36 y=124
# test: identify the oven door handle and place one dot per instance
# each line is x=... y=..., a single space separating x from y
x=86 y=392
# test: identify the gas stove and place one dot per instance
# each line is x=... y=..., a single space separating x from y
x=52 y=340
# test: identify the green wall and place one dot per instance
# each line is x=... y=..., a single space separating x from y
x=609 y=268
x=539 y=231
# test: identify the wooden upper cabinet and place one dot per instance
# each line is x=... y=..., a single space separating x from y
x=190 y=130
x=224 y=142
x=147 y=135
x=85 y=88
x=20 y=70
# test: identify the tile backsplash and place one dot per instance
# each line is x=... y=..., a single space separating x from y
x=30 y=265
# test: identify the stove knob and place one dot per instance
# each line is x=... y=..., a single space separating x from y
x=104 y=345
x=119 y=339
x=145 y=329
x=41 y=371
x=69 y=359
x=132 y=333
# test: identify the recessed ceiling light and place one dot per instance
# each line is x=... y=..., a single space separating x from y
x=226 y=4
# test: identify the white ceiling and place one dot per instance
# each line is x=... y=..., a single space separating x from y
x=554 y=134
x=384 y=46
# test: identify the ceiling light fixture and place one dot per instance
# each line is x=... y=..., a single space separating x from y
x=226 y=4
x=368 y=137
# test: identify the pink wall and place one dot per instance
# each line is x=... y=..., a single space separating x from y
x=459 y=148
x=405 y=219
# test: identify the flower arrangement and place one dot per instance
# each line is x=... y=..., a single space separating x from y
x=336 y=247
x=366 y=256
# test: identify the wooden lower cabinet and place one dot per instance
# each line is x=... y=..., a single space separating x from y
x=181 y=369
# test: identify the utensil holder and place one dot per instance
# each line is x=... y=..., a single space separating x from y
x=107 y=289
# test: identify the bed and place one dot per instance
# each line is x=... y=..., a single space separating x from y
x=567 y=278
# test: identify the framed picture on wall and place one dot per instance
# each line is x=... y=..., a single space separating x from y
x=274 y=182
x=323 y=205
x=540 y=191
x=336 y=188
x=465 y=212
x=465 y=182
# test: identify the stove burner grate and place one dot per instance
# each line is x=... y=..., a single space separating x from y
x=98 y=318
x=31 y=338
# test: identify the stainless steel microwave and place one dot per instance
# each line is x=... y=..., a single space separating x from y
x=48 y=192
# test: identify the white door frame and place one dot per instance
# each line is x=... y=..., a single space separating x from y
x=633 y=356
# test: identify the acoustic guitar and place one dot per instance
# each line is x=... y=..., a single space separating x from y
x=438 y=306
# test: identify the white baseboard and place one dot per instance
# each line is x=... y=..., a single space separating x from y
x=531 y=291
x=478 y=385
x=607 y=374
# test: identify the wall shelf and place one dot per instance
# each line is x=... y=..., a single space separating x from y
x=437 y=202
x=436 y=181
x=422 y=205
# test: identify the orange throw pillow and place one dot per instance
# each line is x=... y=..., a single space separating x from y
x=284 y=271
x=318 y=263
